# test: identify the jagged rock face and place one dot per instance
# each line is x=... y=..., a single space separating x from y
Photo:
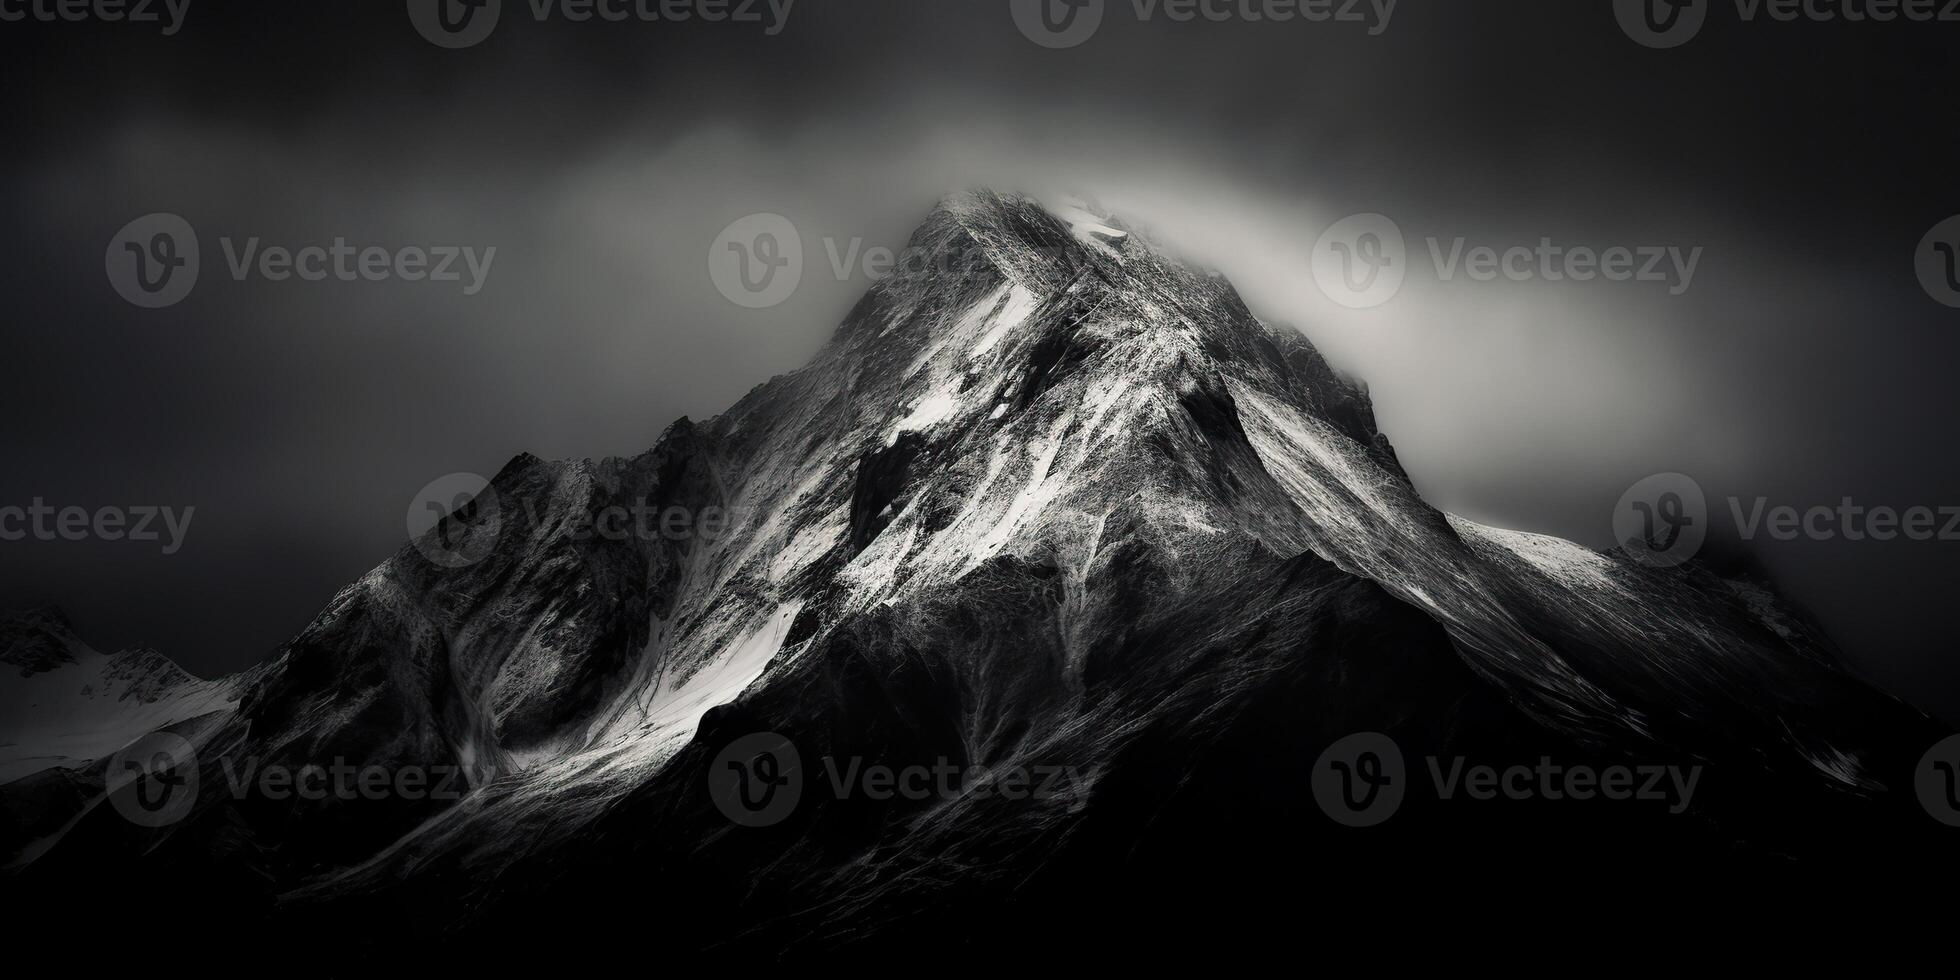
x=1050 y=501
x=36 y=640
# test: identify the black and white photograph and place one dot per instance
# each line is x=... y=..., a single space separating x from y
x=565 y=487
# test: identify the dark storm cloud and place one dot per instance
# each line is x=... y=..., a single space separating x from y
x=600 y=161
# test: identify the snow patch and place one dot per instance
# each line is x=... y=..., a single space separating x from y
x=1091 y=230
x=930 y=411
x=1035 y=496
x=1019 y=304
x=809 y=544
x=1570 y=563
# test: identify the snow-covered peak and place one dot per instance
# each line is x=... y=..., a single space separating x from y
x=1048 y=495
x=37 y=640
x=84 y=705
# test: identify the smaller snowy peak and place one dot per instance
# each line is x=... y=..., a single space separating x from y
x=34 y=641
x=87 y=704
x=145 y=675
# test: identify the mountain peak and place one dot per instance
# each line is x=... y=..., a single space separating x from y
x=1006 y=217
x=1010 y=283
x=37 y=640
x=51 y=617
x=1052 y=499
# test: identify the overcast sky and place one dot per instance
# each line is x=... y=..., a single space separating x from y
x=1804 y=363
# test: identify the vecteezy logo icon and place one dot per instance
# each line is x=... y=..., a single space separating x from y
x=757 y=780
x=455 y=23
x=757 y=261
x=1662 y=520
x=1360 y=780
x=152 y=781
x=1058 y=23
x=455 y=520
x=1361 y=261
x=1661 y=23
x=152 y=262
x=1937 y=781
x=1938 y=262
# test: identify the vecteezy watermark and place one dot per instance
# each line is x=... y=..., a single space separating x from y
x=152 y=781
x=651 y=522
x=1937 y=781
x=1060 y=24
x=456 y=520
x=343 y=780
x=42 y=521
x=1663 y=520
x=1672 y=23
x=1362 y=780
x=155 y=260
x=1937 y=261
x=1362 y=261
x=466 y=23
x=1846 y=520
x=758 y=780
x=759 y=260
x=169 y=13
x=1661 y=23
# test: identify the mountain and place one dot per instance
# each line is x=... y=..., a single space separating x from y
x=64 y=708
x=37 y=640
x=1057 y=526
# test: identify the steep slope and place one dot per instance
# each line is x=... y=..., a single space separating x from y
x=1052 y=502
